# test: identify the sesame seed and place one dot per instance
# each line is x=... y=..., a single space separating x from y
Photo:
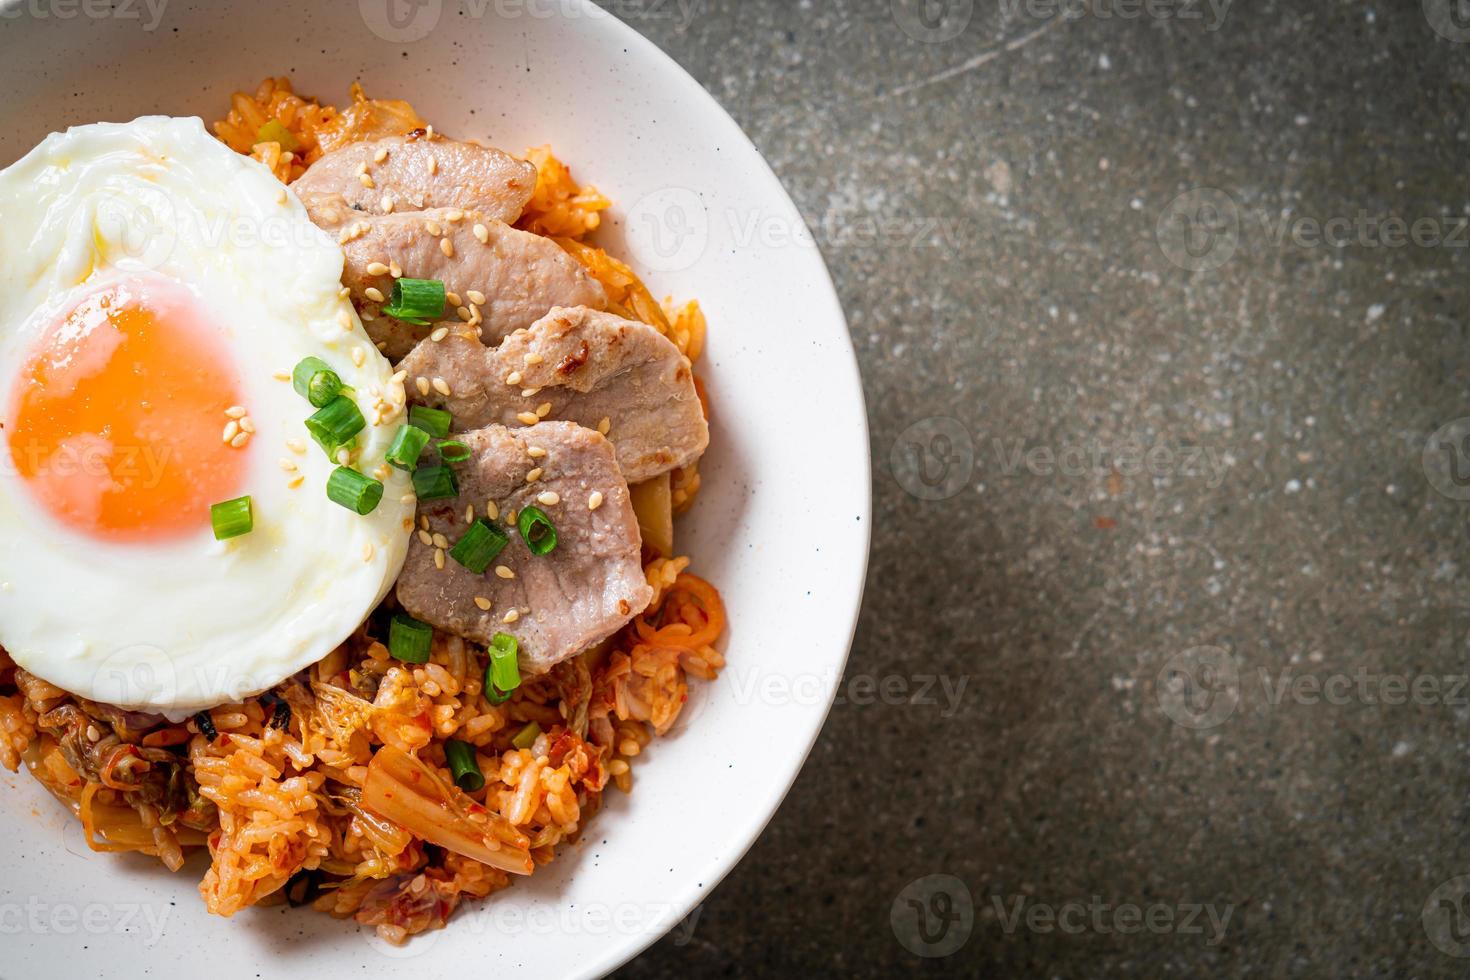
x=367 y=551
x=381 y=155
x=439 y=334
x=236 y=411
x=502 y=572
x=477 y=297
x=543 y=410
x=464 y=314
x=344 y=293
x=366 y=180
x=530 y=392
x=510 y=516
x=433 y=166
x=528 y=418
x=344 y=457
x=377 y=269
x=296 y=481
x=439 y=558
x=549 y=498
x=374 y=293
x=440 y=541
x=359 y=356
x=533 y=358
x=452 y=299
x=492 y=510
x=344 y=319
x=483 y=603
x=296 y=446
x=240 y=440
x=534 y=475
x=482 y=233
x=387 y=204
x=282 y=375
x=288 y=465
x=513 y=379
x=432 y=227
x=447 y=247
x=395 y=270
x=422 y=384
x=454 y=214
x=605 y=426
x=536 y=452
x=511 y=616
x=362 y=167
x=246 y=425
x=398 y=378
x=594 y=501
x=232 y=429
x=382 y=472
x=469 y=514
x=281 y=196
x=442 y=387
x=407 y=498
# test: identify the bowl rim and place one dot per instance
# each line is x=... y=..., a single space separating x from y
x=796 y=762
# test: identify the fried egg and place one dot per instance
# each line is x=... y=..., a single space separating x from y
x=156 y=291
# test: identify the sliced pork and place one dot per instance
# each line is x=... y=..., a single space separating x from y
x=556 y=605
x=505 y=279
x=421 y=173
x=592 y=368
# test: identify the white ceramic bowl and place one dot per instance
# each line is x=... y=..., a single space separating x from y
x=781 y=528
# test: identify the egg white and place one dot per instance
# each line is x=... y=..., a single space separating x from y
x=181 y=625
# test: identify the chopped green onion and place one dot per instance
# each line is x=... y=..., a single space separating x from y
x=434 y=421
x=316 y=382
x=503 y=673
x=204 y=721
x=359 y=494
x=537 y=530
x=435 y=483
x=274 y=132
x=407 y=447
x=409 y=640
x=464 y=766
x=479 y=546
x=454 y=451
x=232 y=518
x=336 y=425
x=526 y=737
x=416 y=301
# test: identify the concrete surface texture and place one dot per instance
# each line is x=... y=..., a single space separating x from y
x=1161 y=310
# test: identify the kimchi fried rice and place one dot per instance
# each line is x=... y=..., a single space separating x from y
x=334 y=789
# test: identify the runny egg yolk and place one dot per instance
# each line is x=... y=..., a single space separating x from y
x=116 y=423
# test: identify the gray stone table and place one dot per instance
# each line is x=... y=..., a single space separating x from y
x=1162 y=315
